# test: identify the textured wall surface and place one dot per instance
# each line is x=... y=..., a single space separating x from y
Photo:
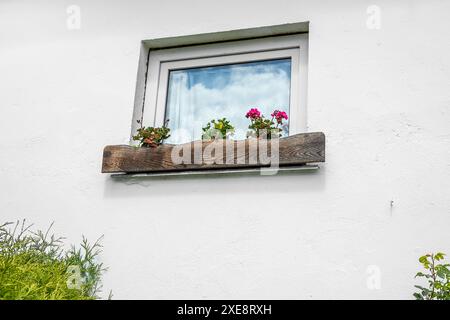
x=382 y=199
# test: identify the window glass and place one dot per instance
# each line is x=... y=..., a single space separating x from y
x=198 y=95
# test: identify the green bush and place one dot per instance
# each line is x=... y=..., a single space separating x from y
x=438 y=277
x=35 y=266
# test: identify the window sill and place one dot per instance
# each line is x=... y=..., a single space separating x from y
x=220 y=172
x=295 y=150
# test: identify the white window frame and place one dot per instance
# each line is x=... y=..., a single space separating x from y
x=162 y=61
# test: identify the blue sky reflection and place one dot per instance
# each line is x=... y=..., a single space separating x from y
x=198 y=95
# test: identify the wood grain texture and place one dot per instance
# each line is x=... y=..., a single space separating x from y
x=293 y=150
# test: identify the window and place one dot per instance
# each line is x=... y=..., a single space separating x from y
x=191 y=85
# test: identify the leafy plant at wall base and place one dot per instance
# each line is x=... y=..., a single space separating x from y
x=151 y=136
x=35 y=266
x=218 y=129
x=438 y=277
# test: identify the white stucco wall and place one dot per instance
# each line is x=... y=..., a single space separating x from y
x=381 y=96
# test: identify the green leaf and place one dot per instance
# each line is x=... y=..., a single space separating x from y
x=419 y=274
x=418 y=296
x=439 y=256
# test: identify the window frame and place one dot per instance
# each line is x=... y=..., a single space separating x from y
x=161 y=61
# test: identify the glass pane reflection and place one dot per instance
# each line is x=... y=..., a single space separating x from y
x=198 y=95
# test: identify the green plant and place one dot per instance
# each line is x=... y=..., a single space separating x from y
x=260 y=126
x=218 y=129
x=438 y=277
x=151 y=136
x=35 y=266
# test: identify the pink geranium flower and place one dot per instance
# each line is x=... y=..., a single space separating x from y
x=253 y=113
x=279 y=115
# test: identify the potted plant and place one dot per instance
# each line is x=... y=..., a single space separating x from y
x=151 y=136
x=218 y=129
x=260 y=127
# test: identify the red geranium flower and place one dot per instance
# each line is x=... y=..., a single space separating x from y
x=253 y=113
x=279 y=115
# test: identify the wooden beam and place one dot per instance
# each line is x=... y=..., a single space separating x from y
x=205 y=155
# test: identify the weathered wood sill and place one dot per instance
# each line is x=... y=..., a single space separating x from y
x=295 y=150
